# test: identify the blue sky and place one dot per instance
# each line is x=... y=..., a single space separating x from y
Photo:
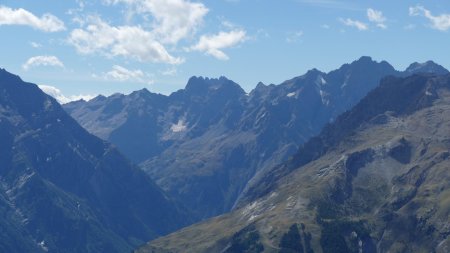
x=84 y=48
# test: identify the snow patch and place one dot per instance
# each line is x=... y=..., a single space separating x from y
x=257 y=208
x=323 y=96
x=23 y=180
x=290 y=203
x=259 y=118
x=326 y=170
x=252 y=217
x=320 y=81
x=347 y=77
x=47 y=104
x=290 y=94
x=323 y=81
x=273 y=195
x=42 y=245
x=179 y=127
x=252 y=211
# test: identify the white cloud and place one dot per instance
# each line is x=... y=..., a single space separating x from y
x=377 y=17
x=127 y=41
x=46 y=23
x=173 y=20
x=214 y=44
x=354 y=23
x=294 y=36
x=169 y=72
x=325 y=26
x=441 y=22
x=42 y=60
x=121 y=74
x=35 y=44
x=59 y=96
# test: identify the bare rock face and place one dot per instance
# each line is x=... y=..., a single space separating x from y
x=65 y=190
x=207 y=143
x=375 y=180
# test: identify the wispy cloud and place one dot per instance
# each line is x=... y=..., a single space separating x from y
x=122 y=74
x=330 y=4
x=377 y=17
x=440 y=22
x=46 y=23
x=354 y=23
x=294 y=36
x=42 y=60
x=60 y=97
x=35 y=44
x=214 y=44
x=169 y=72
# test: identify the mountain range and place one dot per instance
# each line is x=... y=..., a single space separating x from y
x=65 y=190
x=208 y=143
x=323 y=162
x=374 y=180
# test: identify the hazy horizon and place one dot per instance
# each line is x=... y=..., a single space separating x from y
x=86 y=48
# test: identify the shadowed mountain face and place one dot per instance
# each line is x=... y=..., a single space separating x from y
x=375 y=180
x=208 y=143
x=65 y=190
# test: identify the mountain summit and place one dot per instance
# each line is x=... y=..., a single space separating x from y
x=426 y=67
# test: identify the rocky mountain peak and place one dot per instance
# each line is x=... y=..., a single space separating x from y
x=5 y=75
x=27 y=99
x=426 y=67
x=141 y=92
x=364 y=59
x=99 y=98
x=201 y=86
x=367 y=62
